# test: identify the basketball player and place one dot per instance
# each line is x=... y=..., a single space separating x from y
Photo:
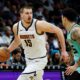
x=69 y=17
x=30 y=33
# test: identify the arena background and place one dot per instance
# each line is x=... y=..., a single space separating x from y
x=49 y=10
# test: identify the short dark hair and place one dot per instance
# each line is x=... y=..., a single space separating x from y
x=25 y=6
x=17 y=50
x=70 y=14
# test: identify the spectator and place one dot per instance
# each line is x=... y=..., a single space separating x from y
x=7 y=36
x=2 y=24
x=54 y=46
x=39 y=12
x=16 y=59
x=1 y=40
x=56 y=58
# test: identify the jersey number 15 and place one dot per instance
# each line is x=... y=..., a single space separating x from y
x=28 y=43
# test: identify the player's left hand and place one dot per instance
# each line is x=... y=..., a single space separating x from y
x=70 y=70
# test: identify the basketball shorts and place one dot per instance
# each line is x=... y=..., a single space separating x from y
x=34 y=69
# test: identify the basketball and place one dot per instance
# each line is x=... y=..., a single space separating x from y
x=4 y=54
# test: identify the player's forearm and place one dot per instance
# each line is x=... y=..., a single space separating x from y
x=78 y=63
x=13 y=45
x=61 y=40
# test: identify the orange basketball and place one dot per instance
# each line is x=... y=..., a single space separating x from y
x=4 y=54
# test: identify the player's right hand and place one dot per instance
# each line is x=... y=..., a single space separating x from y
x=65 y=57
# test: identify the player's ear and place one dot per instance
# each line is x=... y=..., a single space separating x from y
x=65 y=19
x=21 y=15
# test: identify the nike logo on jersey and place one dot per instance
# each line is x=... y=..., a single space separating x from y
x=21 y=29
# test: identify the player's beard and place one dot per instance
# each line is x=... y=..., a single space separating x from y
x=29 y=20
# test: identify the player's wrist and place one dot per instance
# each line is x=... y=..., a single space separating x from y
x=76 y=65
x=7 y=50
x=63 y=50
x=65 y=53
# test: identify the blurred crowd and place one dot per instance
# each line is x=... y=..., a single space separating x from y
x=49 y=10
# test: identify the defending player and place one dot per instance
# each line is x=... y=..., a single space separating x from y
x=69 y=17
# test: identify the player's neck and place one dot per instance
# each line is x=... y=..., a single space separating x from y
x=70 y=26
x=26 y=24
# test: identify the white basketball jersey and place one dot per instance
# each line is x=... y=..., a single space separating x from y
x=33 y=43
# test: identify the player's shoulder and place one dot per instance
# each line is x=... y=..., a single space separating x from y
x=75 y=29
x=42 y=23
x=76 y=26
x=15 y=27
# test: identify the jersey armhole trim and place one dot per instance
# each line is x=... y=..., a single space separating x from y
x=36 y=29
x=17 y=28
